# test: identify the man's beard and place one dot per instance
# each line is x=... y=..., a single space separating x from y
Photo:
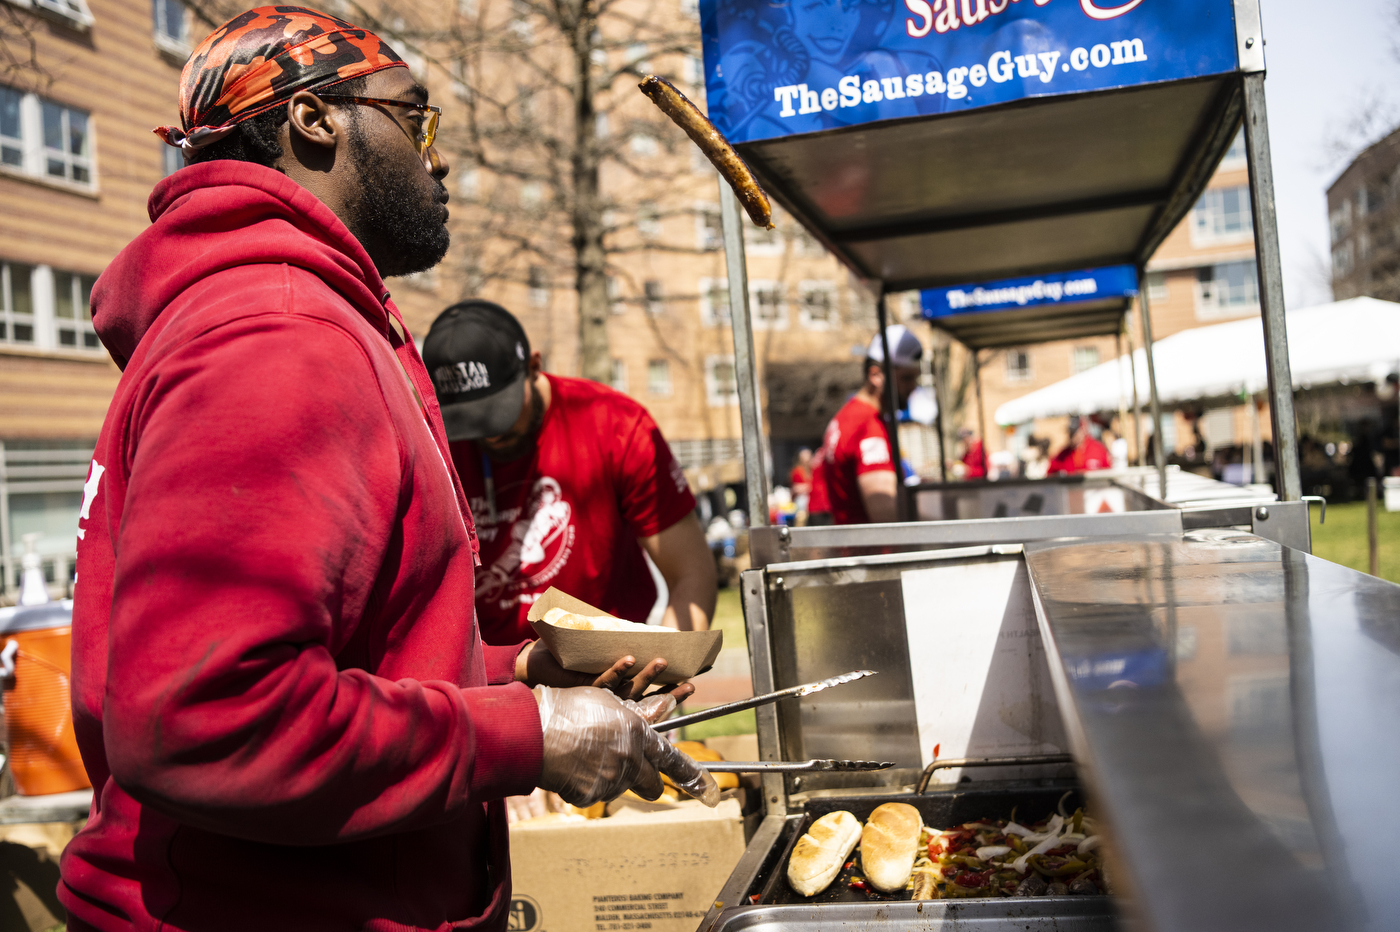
x=402 y=234
x=514 y=446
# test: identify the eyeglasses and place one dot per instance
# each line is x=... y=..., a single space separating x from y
x=427 y=132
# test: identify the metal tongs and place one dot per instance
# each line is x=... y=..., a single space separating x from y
x=792 y=766
x=729 y=707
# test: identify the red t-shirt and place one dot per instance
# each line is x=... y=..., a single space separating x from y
x=856 y=443
x=569 y=515
x=799 y=476
x=1089 y=455
x=975 y=459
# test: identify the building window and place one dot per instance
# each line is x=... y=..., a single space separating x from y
x=708 y=232
x=643 y=144
x=805 y=244
x=531 y=195
x=66 y=134
x=72 y=311
x=539 y=286
x=16 y=304
x=1235 y=155
x=637 y=56
x=714 y=302
x=74 y=13
x=1222 y=213
x=520 y=19
x=648 y=220
x=655 y=299
x=695 y=72
x=1085 y=357
x=767 y=305
x=1157 y=286
x=619 y=376
x=171 y=160
x=11 y=128
x=615 y=302
x=1230 y=289
x=721 y=389
x=763 y=242
x=171 y=26
x=1341 y=259
x=1018 y=365
x=658 y=377
x=818 y=305
x=67 y=146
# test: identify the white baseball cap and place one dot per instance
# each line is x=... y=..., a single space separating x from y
x=905 y=348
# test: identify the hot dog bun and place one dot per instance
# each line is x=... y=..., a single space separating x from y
x=820 y=854
x=564 y=619
x=889 y=844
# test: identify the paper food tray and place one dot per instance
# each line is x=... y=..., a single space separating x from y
x=687 y=653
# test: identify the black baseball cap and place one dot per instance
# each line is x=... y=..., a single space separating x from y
x=479 y=357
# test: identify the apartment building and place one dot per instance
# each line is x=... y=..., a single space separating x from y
x=77 y=161
x=1203 y=273
x=1363 y=206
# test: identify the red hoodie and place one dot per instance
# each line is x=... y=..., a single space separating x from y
x=278 y=686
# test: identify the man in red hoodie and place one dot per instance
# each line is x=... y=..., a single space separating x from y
x=278 y=687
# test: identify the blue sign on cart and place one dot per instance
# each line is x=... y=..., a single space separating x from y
x=775 y=68
x=1114 y=281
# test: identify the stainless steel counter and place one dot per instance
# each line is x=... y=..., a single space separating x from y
x=1234 y=709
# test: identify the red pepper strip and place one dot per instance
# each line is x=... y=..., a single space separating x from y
x=1061 y=851
x=971 y=879
x=848 y=864
x=859 y=885
x=754 y=898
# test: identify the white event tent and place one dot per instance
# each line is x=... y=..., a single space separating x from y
x=1357 y=340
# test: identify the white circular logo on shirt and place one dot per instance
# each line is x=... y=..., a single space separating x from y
x=874 y=451
x=541 y=539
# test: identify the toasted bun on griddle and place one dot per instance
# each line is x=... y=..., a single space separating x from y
x=889 y=844
x=819 y=855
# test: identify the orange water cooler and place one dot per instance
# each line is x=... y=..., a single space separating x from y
x=34 y=659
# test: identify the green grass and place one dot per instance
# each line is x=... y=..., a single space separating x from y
x=729 y=618
x=739 y=723
x=1343 y=538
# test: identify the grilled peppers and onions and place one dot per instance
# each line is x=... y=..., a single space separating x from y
x=1001 y=858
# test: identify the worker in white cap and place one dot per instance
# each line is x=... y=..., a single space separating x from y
x=854 y=479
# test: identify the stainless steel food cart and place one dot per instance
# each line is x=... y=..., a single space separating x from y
x=1226 y=700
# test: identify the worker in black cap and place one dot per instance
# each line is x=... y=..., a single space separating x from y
x=571 y=483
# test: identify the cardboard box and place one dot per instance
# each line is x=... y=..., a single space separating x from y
x=687 y=653
x=650 y=872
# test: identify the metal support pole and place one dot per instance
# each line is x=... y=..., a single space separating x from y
x=1122 y=400
x=745 y=362
x=1139 y=453
x=938 y=418
x=1159 y=447
x=1266 y=251
x=891 y=416
x=981 y=412
x=6 y=563
x=1372 y=563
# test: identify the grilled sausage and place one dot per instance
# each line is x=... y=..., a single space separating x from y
x=716 y=148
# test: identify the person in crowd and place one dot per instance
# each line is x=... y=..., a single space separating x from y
x=1084 y=452
x=279 y=693
x=800 y=480
x=854 y=476
x=974 y=458
x=571 y=482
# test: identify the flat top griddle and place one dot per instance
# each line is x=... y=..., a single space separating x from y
x=1031 y=802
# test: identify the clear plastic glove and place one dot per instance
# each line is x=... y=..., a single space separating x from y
x=597 y=746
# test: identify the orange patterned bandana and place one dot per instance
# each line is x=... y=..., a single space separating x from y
x=259 y=59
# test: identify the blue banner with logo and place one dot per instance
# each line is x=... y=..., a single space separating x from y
x=774 y=68
x=1113 y=281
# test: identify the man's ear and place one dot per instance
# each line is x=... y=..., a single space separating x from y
x=536 y=363
x=312 y=122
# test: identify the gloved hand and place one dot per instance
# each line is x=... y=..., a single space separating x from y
x=596 y=746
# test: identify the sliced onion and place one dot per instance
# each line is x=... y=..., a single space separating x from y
x=987 y=852
x=1052 y=830
x=1088 y=844
x=1013 y=829
x=1050 y=839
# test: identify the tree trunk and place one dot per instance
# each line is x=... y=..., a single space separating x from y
x=590 y=258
